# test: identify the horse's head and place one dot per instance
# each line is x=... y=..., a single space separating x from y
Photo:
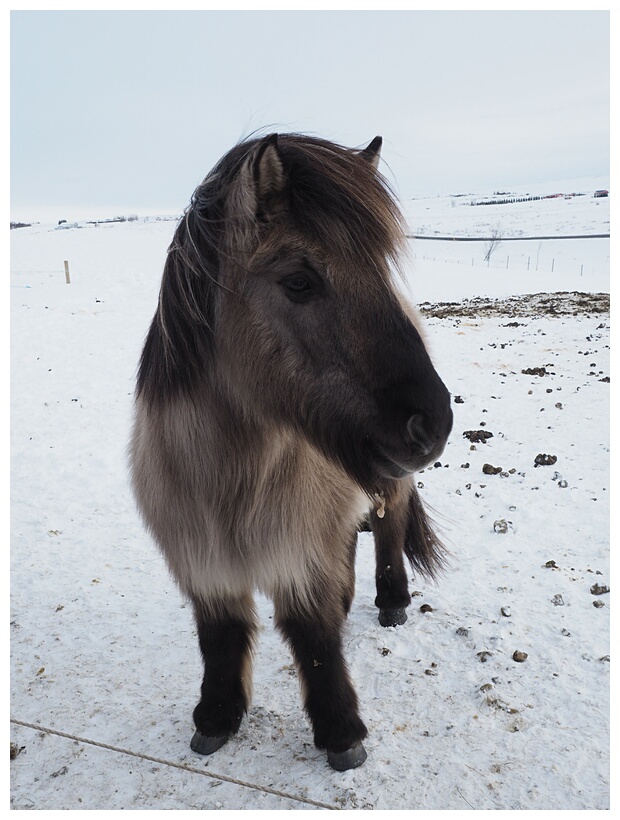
x=282 y=268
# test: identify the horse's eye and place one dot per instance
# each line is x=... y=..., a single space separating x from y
x=299 y=287
x=297 y=284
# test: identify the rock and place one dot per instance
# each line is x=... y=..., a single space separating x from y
x=426 y=608
x=478 y=436
x=551 y=565
x=459 y=400
x=598 y=604
x=501 y=525
x=519 y=656
x=599 y=589
x=505 y=610
x=563 y=484
x=543 y=459
x=535 y=371
x=488 y=469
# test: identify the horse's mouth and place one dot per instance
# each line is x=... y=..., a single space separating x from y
x=405 y=446
x=397 y=463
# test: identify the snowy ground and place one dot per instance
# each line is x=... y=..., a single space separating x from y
x=105 y=665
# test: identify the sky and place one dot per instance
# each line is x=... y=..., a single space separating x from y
x=118 y=112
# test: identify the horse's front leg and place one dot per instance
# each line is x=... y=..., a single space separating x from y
x=226 y=630
x=388 y=522
x=315 y=638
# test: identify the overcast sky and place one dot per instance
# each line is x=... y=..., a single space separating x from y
x=125 y=112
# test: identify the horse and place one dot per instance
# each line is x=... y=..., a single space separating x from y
x=285 y=396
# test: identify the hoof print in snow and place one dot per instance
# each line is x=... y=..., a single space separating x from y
x=557 y=600
x=501 y=525
x=483 y=656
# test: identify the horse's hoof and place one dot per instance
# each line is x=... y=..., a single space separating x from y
x=392 y=617
x=351 y=759
x=204 y=745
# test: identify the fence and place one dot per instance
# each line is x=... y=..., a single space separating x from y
x=494 y=262
x=488 y=256
x=65 y=269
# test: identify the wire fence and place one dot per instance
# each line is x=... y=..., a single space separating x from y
x=505 y=263
x=488 y=255
x=64 y=270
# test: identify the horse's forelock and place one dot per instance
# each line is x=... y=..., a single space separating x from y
x=333 y=194
x=338 y=198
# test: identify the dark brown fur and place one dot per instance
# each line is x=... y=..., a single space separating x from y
x=284 y=392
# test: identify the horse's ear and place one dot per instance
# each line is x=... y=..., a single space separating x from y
x=263 y=179
x=372 y=152
x=269 y=174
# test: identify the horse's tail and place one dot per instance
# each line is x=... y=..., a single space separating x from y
x=424 y=550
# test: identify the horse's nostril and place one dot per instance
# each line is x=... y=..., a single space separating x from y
x=418 y=435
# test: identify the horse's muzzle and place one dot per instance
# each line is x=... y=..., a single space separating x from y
x=415 y=440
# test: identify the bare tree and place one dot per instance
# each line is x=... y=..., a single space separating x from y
x=494 y=242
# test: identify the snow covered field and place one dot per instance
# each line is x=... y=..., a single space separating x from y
x=105 y=664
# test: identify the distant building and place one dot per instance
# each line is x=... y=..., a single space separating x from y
x=601 y=193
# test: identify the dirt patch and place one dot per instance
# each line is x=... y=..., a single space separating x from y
x=529 y=305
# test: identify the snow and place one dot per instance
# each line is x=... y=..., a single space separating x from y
x=105 y=664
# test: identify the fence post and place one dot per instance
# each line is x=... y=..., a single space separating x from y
x=67 y=276
x=552 y=265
